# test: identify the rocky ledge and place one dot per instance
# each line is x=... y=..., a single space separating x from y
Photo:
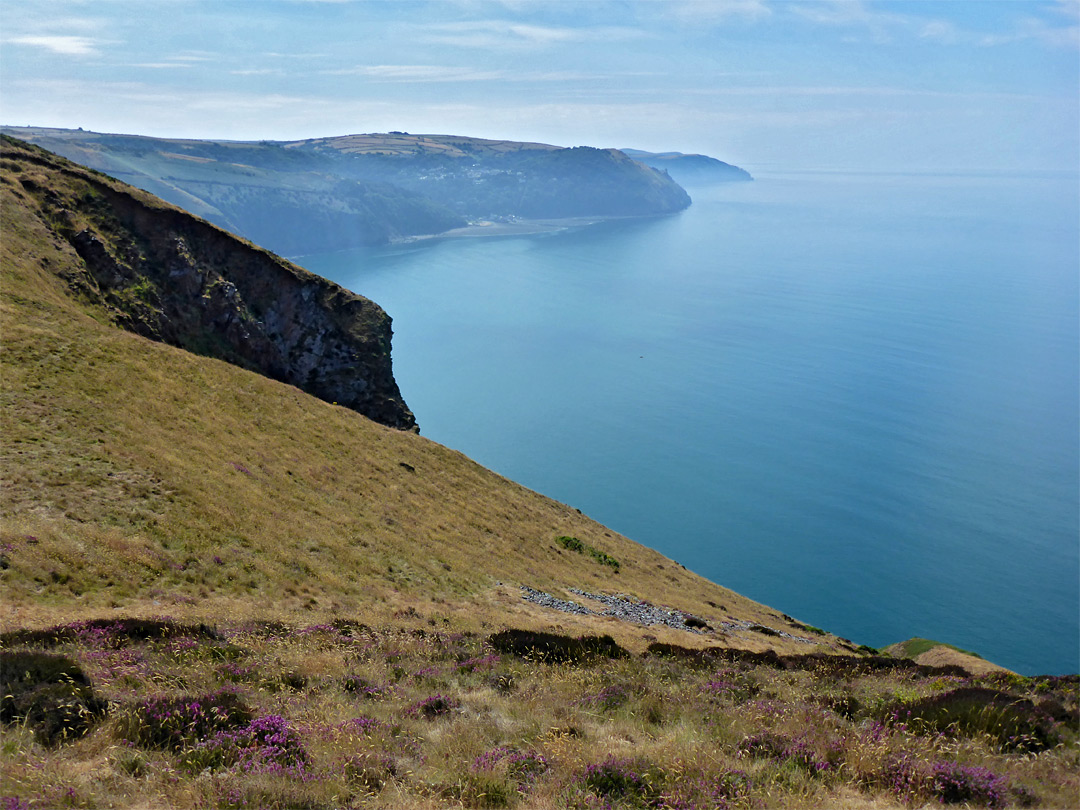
x=169 y=276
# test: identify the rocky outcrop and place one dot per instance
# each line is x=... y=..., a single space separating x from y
x=690 y=169
x=169 y=276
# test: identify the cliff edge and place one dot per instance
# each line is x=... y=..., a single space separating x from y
x=164 y=274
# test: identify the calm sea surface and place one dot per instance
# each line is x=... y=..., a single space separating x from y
x=851 y=397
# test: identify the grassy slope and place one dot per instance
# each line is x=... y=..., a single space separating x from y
x=142 y=478
x=937 y=653
x=139 y=479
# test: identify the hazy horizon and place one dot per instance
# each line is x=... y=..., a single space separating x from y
x=817 y=84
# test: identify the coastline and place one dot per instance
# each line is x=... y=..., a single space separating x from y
x=519 y=227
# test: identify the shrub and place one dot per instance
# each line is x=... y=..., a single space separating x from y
x=952 y=783
x=627 y=780
x=573 y=544
x=369 y=770
x=551 y=648
x=50 y=693
x=362 y=688
x=265 y=745
x=1016 y=724
x=766 y=745
x=432 y=707
x=715 y=792
x=769 y=745
x=173 y=723
x=900 y=775
x=111 y=632
x=609 y=698
x=521 y=766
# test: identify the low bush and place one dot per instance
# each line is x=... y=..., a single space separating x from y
x=609 y=698
x=573 y=544
x=114 y=632
x=50 y=694
x=432 y=707
x=551 y=648
x=633 y=782
x=1016 y=724
x=265 y=745
x=177 y=722
x=952 y=783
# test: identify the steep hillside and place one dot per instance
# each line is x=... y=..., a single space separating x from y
x=220 y=591
x=335 y=193
x=129 y=462
x=164 y=274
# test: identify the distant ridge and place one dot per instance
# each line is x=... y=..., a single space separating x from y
x=335 y=193
x=691 y=169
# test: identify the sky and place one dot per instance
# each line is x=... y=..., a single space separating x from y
x=868 y=85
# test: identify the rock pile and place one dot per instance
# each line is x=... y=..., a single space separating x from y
x=641 y=612
x=620 y=607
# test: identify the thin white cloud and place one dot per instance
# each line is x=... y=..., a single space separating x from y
x=443 y=73
x=280 y=55
x=883 y=26
x=418 y=73
x=940 y=31
x=195 y=56
x=258 y=72
x=503 y=35
x=161 y=65
x=717 y=11
x=66 y=45
x=1037 y=30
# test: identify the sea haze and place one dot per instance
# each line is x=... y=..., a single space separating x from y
x=851 y=397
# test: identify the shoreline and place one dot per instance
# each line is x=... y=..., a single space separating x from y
x=521 y=227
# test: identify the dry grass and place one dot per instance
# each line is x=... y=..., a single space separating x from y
x=511 y=733
x=138 y=477
x=140 y=480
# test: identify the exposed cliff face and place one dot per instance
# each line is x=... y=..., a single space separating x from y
x=168 y=276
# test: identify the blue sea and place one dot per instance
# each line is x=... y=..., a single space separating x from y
x=851 y=397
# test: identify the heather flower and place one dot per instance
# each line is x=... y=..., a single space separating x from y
x=901 y=776
x=624 y=779
x=174 y=722
x=953 y=783
x=719 y=687
x=768 y=745
x=708 y=792
x=361 y=725
x=432 y=707
x=480 y=662
x=265 y=745
x=232 y=671
x=611 y=697
x=522 y=766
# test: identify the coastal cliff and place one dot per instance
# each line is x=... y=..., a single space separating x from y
x=220 y=591
x=166 y=275
x=339 y=193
